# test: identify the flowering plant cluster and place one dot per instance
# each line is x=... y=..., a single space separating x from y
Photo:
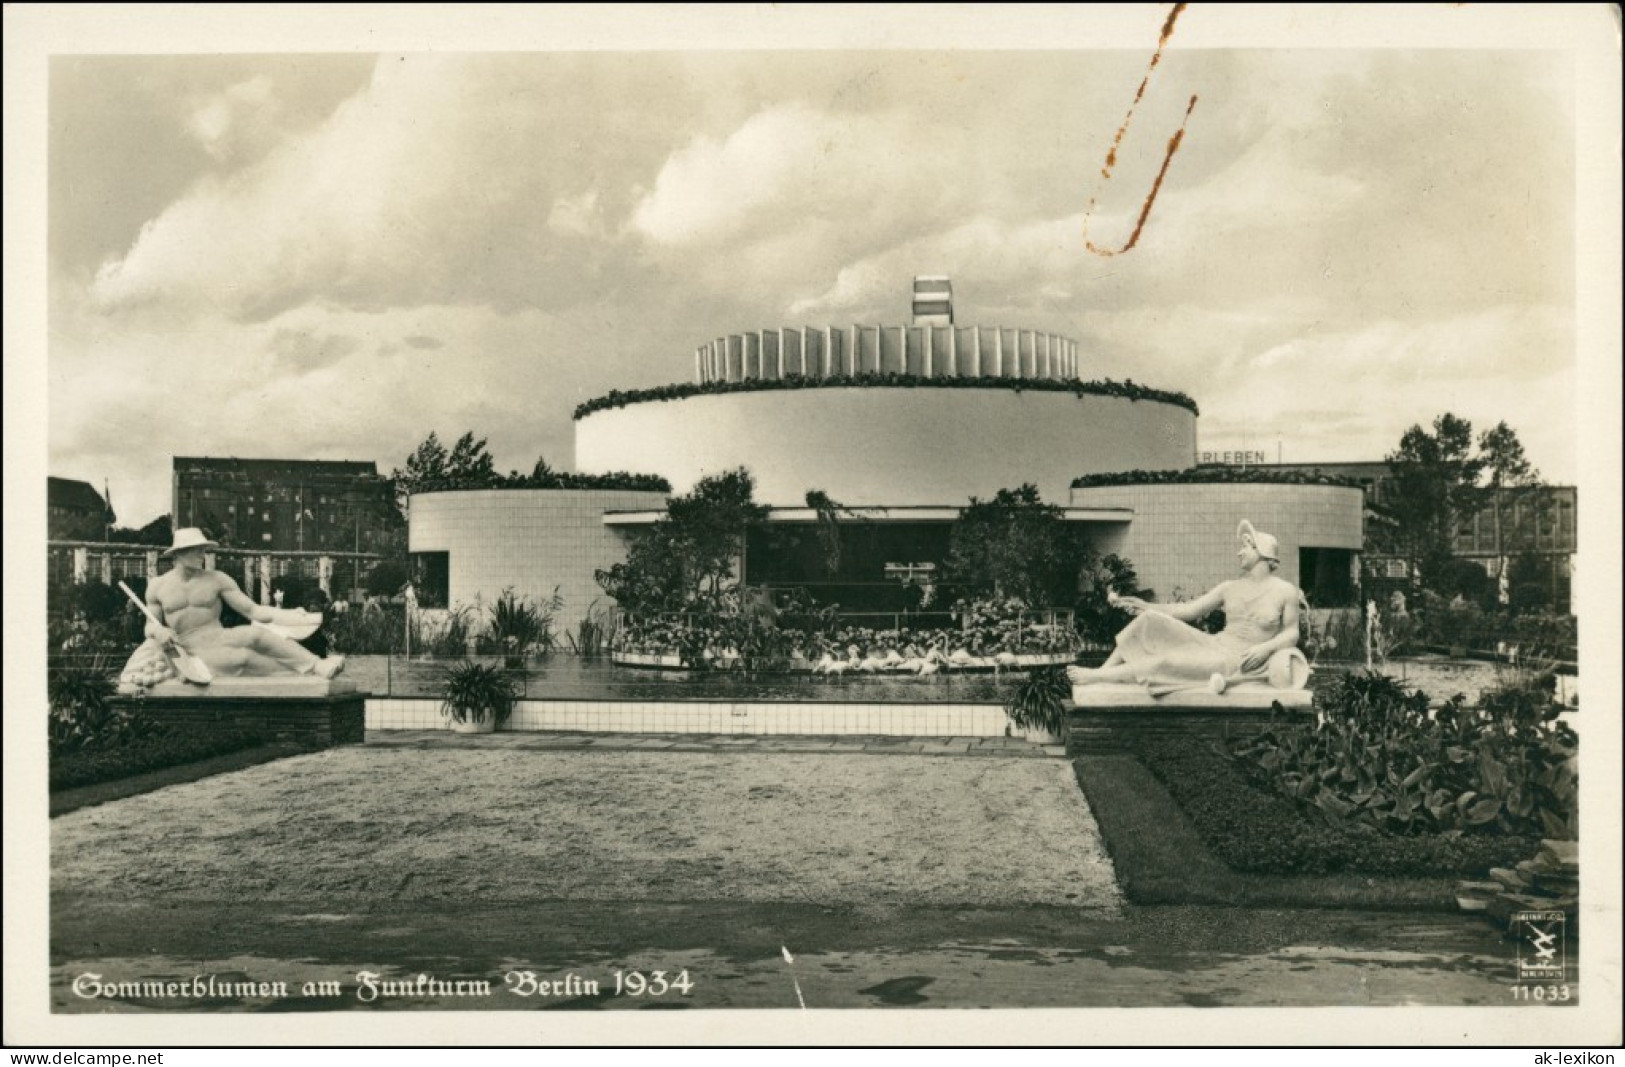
x=987 y=628
x=1005 y=624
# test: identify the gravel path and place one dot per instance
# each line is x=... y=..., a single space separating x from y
x=359 y=827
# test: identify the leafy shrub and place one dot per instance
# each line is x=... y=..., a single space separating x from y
x=474 y=692
x=80 y=666
x=1038 y=701
x=1097 y=619
x=447 y=641
x=520 y=625
x=596 y=632
x=1106 y=387
x=1380 y=757
x=388 y=577
x=377 y=630
x=152 y=751
x=1255 y=829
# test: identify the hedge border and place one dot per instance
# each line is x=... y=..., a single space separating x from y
x=1211 y=476
x=1129 y=390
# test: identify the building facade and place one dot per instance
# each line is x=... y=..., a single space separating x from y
x=74 y=511
x=285 y=505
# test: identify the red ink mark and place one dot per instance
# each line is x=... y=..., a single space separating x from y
x=1111 y=154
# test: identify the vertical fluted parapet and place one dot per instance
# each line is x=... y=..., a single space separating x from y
x=926 y=350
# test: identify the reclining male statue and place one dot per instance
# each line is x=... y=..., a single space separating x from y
x=1161 y=651
x=186 y=602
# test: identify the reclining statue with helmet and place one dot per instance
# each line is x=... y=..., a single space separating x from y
x=1163 y=654
x=184 y=606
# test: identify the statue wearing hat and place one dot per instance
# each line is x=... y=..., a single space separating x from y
x=184 y=606
x=1163 y=652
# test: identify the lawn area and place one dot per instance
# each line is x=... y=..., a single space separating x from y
x=488 y=821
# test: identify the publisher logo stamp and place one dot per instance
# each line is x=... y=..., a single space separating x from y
x=1542 y=953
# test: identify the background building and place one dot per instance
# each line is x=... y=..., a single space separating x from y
x=900 y=426
x=1536 y=525
x=288 y=505
x=75 y=511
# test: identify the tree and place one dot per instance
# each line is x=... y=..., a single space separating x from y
x=159 y=531
x=1440 y=482
x=470 y=466
x=1514 y=486
x=430 y=468
x=687 y=557
x=1433 y=486
x=1015 y=545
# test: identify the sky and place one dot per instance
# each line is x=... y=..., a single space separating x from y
x=329 y=256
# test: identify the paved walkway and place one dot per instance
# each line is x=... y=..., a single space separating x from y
x=1004 y=747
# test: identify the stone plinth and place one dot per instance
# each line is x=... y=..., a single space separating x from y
x=1106 y=717
x=302 y=708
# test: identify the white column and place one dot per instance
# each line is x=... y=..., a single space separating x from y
x=828 y=355
x=152 y=565
x=1048 y=366
x=998 y=351
x=265 y=579
x=781 y=351
x=248 y=574
x=930 y=346
x=804 y=351
x=81 y=565
x=851 y=360
x=324 y=575
x=979 y=371
x=953 y=351
x=902 y=350
x=107 y=568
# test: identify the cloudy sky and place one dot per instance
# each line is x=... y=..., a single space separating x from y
x=329 y=256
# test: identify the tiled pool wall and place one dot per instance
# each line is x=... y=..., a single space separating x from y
x=713 y=717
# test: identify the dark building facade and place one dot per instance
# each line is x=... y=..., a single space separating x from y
x=285 y=505
x=75 y=511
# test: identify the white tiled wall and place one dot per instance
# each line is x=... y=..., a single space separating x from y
x=1184 y=536
x=530 y=539
x=718 y=717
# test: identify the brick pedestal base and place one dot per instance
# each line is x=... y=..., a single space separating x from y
x=1102 y=730
x=318 y=721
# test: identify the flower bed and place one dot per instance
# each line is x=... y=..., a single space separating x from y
x=107 y=763
x=1254 y=830
x=991 y=635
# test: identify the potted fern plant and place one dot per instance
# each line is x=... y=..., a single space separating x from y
x=476 y=697
x=1037 y=705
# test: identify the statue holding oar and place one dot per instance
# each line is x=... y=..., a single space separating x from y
x=183 y=624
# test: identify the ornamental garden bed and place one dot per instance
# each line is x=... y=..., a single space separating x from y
x=126 y=763
x=1387 y=802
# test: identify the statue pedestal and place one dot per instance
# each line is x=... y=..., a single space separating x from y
x=303 y=708
x=1107 y=717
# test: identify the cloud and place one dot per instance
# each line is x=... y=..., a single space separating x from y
x=579 y=215
x=305 y=350
x=221 y=121
x=434 y=185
